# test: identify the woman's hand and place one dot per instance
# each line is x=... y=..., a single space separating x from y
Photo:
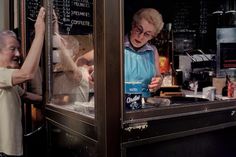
x=155 y=83
x=55 y=22
x=91 y=75
x=40 y=22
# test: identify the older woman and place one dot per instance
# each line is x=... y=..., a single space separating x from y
x=141 y=58
x=11 y=76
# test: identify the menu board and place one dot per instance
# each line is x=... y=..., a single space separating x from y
x=227 y=55
x=32 y=10
x=186 y=17
x=75 y=17
x=203 y=17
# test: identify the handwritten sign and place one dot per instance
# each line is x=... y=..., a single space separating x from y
x=32 y=10
x=75 y=16
x=186 y=17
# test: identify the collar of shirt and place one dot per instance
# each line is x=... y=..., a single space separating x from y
x=127 y=44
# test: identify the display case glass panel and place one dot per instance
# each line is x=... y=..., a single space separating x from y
x=72 y=56
x=188 y=71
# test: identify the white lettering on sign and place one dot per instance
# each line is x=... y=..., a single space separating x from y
x=77 y=4
x=83 y=23
x=133 y=89
x=135 y=98
x=82 y=1
x=78 y=13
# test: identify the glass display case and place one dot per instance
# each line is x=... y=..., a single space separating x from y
x=164 y=122
x=84 y=91
x=70 y=73
x=72 y=56
x=81 y=77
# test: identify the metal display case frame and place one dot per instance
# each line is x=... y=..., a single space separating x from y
x=113 y=132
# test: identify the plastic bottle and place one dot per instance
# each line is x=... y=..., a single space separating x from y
x=230 y=89
x=225 y=88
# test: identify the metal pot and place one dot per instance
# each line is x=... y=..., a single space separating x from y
x=217 y=19
x=230 y=18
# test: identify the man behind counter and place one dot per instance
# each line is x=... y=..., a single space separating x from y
x=11 y=76
x=141 y=58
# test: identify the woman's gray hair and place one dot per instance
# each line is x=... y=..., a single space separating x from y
x=4 y=34
x=152 y=16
